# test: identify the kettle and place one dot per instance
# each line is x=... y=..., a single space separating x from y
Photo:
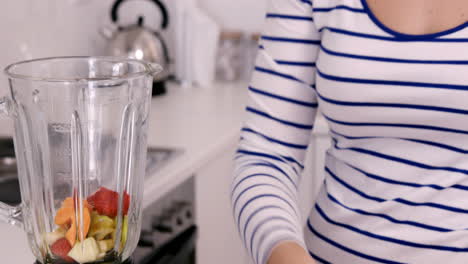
x=139 y=42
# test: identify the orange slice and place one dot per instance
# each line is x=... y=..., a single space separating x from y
x=65 y=217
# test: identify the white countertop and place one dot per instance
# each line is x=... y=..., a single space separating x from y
x=200 y=121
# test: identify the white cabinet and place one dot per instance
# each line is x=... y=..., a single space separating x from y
x=218 y=240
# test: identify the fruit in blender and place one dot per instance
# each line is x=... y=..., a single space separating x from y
x=52 y=237
x=101 y=226
x=69 y=202
x=106 y=245
x=98 y=234
x=66 y=217
x=61 y=248
x=85 y=251
x=124 y=230
x=105 y=201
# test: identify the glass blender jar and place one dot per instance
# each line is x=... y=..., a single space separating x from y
x=80 y=141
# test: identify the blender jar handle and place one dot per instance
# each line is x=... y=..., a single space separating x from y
x=4 y=105
x=9 y=214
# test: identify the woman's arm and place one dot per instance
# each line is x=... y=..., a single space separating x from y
x=290 y=253
x=280 y=115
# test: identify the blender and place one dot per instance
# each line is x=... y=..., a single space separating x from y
x=80 y=141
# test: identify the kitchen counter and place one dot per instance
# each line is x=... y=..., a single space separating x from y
x=200 y=121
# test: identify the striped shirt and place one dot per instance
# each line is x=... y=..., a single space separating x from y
x=396 y=186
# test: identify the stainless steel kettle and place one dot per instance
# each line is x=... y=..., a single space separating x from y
x=138 y=42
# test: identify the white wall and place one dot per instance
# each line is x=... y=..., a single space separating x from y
x=31 y=29
x=237 y=14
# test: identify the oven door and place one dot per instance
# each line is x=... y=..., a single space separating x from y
x=169 y=228
x=180 y=250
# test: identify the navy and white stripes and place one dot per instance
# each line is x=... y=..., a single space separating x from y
x=396 y=186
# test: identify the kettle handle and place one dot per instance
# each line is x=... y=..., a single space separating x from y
x=162 y=7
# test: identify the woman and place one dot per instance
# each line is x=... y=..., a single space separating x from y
x=391 y=79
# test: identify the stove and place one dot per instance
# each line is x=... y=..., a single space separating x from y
x=159 y=157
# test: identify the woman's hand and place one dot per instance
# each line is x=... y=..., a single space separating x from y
x=290 y=253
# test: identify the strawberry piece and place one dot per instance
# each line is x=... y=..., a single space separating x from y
x=106 y=202
x=126 y=203
x=61 y=248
